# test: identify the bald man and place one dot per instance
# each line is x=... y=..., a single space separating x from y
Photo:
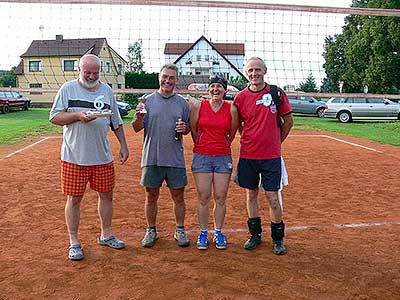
x=86 y=156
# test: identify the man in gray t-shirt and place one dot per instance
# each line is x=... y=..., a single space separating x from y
x=85 y=153
x=164 y=117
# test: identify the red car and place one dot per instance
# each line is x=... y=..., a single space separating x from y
x=11 y=100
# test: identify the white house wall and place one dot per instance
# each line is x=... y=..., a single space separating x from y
x=206 y=67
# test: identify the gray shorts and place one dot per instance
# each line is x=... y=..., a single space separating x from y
x=153 y=177
x=211 y=164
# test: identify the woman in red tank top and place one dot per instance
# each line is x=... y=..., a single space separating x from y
x=213 y=124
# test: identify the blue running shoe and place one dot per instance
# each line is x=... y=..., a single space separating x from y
x=220 y=240
x=202 y=241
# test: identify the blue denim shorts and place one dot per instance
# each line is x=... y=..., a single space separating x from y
x=211 y=164
x=249 y=170
x=154 y=176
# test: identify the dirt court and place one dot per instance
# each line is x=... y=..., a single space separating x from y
x=341 y=208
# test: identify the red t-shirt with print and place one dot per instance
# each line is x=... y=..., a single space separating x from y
x=261 y=136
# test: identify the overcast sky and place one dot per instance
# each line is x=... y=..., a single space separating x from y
x=291 y=42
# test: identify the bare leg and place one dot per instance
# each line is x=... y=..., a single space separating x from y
x=72 y=217
x=105 y=210
x=177 y=196
x=275 y=209
x=221 y=185
x=150 y=209
x=203 y=185
x=252 y=203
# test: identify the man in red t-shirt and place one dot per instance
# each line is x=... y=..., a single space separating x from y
x=260 y=150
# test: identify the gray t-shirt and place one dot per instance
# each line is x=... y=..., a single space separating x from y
x=160 y=147
x=86 y=144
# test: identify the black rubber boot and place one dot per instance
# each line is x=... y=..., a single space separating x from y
x=277 y=234
x=255 y=232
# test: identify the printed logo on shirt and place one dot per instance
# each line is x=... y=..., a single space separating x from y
x=273 y=108
x=266 y=100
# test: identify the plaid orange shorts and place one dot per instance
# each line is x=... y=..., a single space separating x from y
x=74 y=178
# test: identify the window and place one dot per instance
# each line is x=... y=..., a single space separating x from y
x=338 y=100
x=119 y=69
x=197 y=71
x=206 y=57
x=119 y=85
x=37 y=86
x=108 y=67
x=377 y=101
x=70 y=65
x=198 y=57
x=359 y=100
x=35 y=66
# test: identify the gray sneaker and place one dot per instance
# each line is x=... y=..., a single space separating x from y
x=182 y=238
x=150 y=238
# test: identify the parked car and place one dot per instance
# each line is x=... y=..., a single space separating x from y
x=307 y=105
x=348 y=109
x=124 y=108
x=202 y=87
x=12 y=100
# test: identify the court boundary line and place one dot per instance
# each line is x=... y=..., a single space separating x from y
x=288 y=228
x=290 y=135
x=32 y=145
x=338 y=140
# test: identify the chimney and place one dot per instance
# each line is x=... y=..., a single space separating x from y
x=59 y=37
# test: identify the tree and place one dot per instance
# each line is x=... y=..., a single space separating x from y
x=238 y=82
x=135 y=57
x=367 y=52
x=9 y=79
x=308 y=85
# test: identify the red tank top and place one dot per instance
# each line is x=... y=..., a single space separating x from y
x=213 y=130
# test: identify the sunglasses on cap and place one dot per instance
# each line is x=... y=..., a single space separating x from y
x=218 y=78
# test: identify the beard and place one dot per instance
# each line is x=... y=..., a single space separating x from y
x=88 y=84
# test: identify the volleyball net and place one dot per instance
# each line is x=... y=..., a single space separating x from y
x=42 y=41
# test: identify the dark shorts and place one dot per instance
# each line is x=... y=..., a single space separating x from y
x=249 y=170
x=211 y=164
x=154 y=176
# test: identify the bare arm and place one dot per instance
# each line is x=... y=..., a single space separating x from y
x=194 y=117
x=137 y=124
x=287 y=126
x=234 y=123
x=123 y=152
x=65 y=118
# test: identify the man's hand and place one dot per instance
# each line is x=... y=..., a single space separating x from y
x=84 y=118
x=123 y=155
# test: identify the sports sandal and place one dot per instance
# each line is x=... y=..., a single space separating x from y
x=75 y=252
x=111 y=242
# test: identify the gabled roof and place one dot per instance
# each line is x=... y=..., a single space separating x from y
x=62 y=47
x=19 y=70
x=224 y=48
x=213 y=46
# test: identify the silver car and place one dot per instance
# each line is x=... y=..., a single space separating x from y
x=307 y=105
x=348 y=109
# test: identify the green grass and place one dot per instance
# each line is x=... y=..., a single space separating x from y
x=384 y=132
x=18 y=125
